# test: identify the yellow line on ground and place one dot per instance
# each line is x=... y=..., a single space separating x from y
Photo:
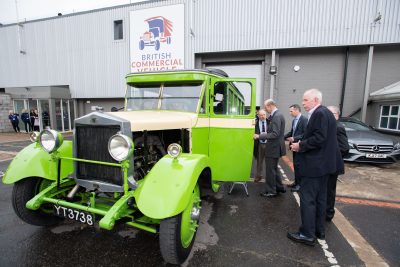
x=367 y=202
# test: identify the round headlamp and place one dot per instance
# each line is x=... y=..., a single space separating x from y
x=50 y=140
x=174 y=150
x=120 y=147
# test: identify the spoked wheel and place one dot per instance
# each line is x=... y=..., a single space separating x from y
x=177 y=233
x=24 y=191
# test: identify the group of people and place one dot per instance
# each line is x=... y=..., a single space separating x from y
x=318 y=144
x=30 y=120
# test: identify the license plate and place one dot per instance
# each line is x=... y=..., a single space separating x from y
x=74 y=214
x=375 y=156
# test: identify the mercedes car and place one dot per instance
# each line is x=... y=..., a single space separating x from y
x=368 y=145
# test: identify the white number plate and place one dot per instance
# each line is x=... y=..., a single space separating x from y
x=73 y=214
x=376 y=156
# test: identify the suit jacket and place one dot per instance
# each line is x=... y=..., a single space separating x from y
x=300 y=129
x=319 y=153
x=275 y=147
x=255 y=148
x=343 y=142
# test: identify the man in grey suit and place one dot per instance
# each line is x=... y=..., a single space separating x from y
x=275 y=148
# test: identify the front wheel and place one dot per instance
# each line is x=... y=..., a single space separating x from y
x=24 y=191
x=177 y=233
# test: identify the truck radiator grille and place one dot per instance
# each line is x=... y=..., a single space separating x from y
x=92 y=142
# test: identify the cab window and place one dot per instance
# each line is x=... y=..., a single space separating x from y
x=231 y=98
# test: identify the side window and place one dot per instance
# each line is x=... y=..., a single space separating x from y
x=220 y=98
x=232 y=98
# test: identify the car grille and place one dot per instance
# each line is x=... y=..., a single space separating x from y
x=375 y=148
x=92 y=144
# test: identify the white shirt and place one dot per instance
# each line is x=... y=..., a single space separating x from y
x=261 y=131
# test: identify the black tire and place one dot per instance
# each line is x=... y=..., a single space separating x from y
x=171 y=244
x=24 y=191
x=170 y=241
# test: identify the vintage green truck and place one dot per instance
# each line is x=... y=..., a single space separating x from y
x=145 y=166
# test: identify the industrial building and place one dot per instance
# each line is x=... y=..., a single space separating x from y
x=70 y=64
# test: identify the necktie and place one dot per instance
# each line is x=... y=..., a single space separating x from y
x=294 y=125
x=263 y=127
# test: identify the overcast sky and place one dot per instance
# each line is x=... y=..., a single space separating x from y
x=37 y=9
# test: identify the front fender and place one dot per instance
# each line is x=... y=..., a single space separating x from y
x=167 y=188
x=33 y=161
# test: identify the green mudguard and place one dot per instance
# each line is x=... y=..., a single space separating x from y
x=166 y=190
x=33 y=161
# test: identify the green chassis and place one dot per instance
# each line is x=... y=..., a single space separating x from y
x=91 y=203
x=112 y=209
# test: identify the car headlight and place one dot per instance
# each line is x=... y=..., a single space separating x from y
x=50 y=140
x=120 y=147
x=396 y=146
x=174 y=150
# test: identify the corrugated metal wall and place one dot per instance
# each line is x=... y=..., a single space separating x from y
x=79 y=50
x=228 y=25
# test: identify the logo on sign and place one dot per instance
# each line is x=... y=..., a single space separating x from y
x=159 y=31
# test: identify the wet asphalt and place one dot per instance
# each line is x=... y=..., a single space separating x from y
x=235 y=230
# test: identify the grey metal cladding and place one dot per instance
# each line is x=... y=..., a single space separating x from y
x=229 y=25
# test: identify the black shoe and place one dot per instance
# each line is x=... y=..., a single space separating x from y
x=320 y=235
x=269 y=195
x=283 y=190
x=295 y=188
x=328 y=218
x=298 y=237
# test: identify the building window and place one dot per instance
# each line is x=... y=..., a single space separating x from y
x=390 y=118
x=118 y=30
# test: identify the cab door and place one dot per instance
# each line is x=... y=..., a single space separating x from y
x=232 y=112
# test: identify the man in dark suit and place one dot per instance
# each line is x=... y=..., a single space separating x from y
x=261 y=127
x=295 y=134
x=319 y=157
x=332 y=180
x=275 y=148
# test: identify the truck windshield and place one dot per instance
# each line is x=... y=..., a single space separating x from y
x=165 y=96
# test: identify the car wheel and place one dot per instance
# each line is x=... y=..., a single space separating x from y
x=25 y=190
x=141 y=44
x=177 y=233
x=157 y=47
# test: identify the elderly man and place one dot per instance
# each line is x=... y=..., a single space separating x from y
x=319 y=157
x=275 y=148
x=261 y=127
x=332 y=180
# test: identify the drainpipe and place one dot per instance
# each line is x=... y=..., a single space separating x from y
x=272 y=84
x=367 y=84
x=346 y=63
